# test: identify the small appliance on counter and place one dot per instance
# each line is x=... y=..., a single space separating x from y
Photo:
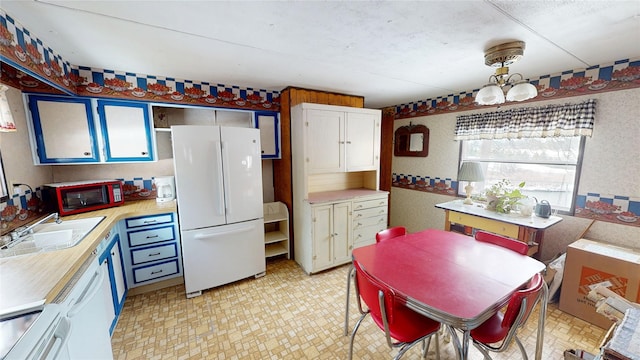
x=165 y=188
x=68 y=198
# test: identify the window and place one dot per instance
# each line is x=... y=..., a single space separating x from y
x=550 y=167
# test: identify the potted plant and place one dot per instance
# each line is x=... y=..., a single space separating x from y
x=503 y=196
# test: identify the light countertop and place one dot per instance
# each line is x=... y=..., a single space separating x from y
x=342 y=195
x=33 y=277
x=517 y=219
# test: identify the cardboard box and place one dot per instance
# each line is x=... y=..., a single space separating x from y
x=591 y=263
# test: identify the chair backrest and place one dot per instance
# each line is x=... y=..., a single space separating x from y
x=511 y=244
x=390 y=233
x=521 y=304
x=369 y=290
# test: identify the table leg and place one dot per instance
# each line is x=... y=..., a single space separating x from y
x=462 y=348
x=541 y=318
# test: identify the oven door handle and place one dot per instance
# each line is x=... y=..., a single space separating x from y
x=95 y=285
x=58 y=341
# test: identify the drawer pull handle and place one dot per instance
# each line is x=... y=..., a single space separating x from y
x=156 y=272
x=152 y=236
x=150 y=221
x=154 y=254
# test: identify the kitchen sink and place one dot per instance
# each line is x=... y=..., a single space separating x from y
x=51 y=236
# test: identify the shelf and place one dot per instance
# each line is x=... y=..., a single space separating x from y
x=274 y=236
x=275 y=249
x=270 y=218
x=276 y=229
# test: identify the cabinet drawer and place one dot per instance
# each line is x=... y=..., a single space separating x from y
x=494 y=226
x=359 y=214
x=151 y=272
x=366 y=235
x=150 y=236
x=370 y=221
x=149 y=220
x=139 y=256
x=366 y=204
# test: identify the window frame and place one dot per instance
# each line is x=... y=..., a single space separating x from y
x=576 y=180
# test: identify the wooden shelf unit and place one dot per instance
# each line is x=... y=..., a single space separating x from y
x=276 y=229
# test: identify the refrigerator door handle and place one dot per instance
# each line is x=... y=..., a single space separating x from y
x=221 y=187
x=227 y=181
x=230 y=232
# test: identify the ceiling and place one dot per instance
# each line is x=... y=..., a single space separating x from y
x=390 y=52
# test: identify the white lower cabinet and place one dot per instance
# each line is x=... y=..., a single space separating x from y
x=327 y=232
x=152 y=251
x=331 y=235
x=116 y=288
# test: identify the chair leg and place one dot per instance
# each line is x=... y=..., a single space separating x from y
x=522 y=350
x=438 y=345
x=484 y=352
x=350 y=275
x=353 y=334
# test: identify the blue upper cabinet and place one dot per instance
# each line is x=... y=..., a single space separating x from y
x=63 y=130
x=126 y=129
x=269 y=125
x=73 y=130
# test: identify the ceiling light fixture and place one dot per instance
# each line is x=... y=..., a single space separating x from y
x=500 y=56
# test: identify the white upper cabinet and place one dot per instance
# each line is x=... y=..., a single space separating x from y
x=269 y=126
x=126 y=130
x=63 y=129
x=340 y=139
x=324 y=137
x=362 y=141
x=67 y=130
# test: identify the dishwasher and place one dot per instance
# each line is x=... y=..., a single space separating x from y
x=84 y=307
x=34 y=332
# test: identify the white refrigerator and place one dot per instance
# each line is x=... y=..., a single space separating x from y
x=218 y=174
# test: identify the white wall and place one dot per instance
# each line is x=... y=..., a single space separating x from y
x=16 y=151
x=610 y=166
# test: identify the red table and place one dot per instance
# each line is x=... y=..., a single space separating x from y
x=451 y=278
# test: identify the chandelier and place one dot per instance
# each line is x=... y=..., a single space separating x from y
x=500 y=56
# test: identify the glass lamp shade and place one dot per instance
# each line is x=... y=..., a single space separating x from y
x=490 y=94
x=521 y=91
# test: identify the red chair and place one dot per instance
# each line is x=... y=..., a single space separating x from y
x=497 y=333
x=511 y=244
x=380 y=236
x=397 y=321
x=390 y=233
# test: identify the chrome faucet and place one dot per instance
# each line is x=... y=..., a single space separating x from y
x=18 y=233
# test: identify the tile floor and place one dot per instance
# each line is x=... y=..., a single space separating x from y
x=289 y=315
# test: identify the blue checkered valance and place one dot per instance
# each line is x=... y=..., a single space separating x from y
x=544 y=121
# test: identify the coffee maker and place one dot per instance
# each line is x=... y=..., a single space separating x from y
x=165 y=188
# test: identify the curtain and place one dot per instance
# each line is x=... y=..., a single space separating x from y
x=544 y=121
x=6 y=118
